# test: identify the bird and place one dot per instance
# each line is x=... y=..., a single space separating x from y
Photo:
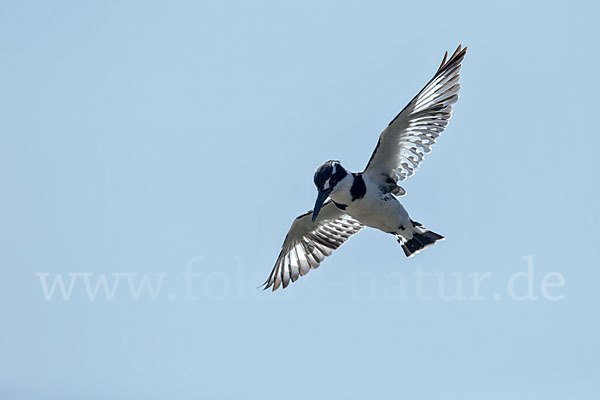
x=348 y=201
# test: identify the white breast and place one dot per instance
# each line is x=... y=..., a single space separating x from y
x=377 y=210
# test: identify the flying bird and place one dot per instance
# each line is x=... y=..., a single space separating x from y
x=369 y=198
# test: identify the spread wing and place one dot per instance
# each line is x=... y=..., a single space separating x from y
x=403 y=144
x=308 y=243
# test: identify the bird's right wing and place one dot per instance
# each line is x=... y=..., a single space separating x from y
x=308 y=243
x=406 y=140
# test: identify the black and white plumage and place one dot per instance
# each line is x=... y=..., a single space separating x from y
x=307 y=244
x=368 y=198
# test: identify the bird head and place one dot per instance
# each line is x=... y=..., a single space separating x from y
x=327 y=177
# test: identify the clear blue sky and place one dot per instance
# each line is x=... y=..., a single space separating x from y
x=147 y=139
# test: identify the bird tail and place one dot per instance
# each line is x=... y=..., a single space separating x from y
x=422 y=238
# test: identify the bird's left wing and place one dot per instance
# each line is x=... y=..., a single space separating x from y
x=403 y=144
x=308 y=243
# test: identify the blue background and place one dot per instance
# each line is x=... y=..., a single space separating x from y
x=143 y=137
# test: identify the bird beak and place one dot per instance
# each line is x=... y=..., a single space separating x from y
x=321 y=197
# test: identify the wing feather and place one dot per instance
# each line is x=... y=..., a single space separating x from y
x=411 y=134
x=307 y=244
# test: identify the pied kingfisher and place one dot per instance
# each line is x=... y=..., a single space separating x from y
x=368 y=198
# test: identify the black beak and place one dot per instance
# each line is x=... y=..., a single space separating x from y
x=321 y=197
